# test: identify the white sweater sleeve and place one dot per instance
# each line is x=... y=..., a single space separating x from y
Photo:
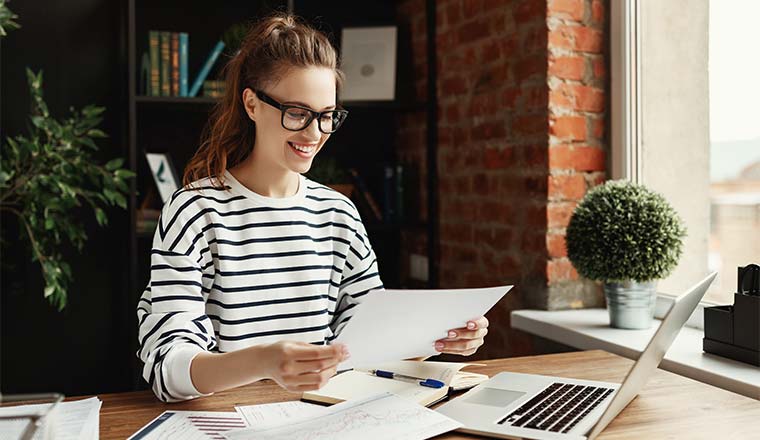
x=360 y=276
x=173 y=325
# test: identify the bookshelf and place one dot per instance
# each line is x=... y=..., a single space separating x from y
x=173 y=124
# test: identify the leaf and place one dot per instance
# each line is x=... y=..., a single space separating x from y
x=100 y=216
x=114 y=164
x=96 y=133
x=49 y=290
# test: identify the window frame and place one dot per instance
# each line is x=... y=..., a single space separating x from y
x=626 y=116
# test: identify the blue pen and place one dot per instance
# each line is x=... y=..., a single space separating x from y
x=432 y=383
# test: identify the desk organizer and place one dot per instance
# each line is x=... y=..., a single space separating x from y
x=734 y=331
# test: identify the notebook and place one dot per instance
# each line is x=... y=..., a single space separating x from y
x=358 y=384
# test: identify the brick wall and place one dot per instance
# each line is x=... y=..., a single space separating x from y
x=522 y=135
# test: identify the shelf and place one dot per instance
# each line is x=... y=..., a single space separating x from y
x=199 y=100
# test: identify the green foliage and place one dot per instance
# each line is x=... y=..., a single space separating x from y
x=7 y=19
x=47 y=175
x=623 y=231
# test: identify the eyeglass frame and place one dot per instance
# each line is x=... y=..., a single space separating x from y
x=312 y=114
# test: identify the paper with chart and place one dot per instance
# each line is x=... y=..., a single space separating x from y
x=380 y=417
x=189 y=425
x=75 y=420
x=392 y=325
x=271 y=413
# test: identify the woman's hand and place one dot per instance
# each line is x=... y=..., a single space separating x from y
x=466 y=340
x=298 y=366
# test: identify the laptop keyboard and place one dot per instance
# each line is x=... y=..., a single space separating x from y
x=558 y=407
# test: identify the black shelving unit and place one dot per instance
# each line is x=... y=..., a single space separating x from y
x=174 y=124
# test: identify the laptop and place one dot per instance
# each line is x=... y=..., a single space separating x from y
x=513 y=405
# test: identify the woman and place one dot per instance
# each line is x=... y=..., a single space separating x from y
x=254 y=268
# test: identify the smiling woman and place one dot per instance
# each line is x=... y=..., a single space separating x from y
x=255 y=269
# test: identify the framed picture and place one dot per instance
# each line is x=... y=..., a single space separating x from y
x=369 y=62
x=164 y=174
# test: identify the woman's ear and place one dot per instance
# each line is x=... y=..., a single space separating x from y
x=250 y=101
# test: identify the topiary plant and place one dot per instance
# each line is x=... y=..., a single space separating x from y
x=623 y=231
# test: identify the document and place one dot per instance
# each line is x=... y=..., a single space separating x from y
x=189 y=425
x=393 y=325
x=383 y=416
x=272 y=413
x=76 y=420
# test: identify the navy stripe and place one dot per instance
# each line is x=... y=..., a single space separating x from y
x=268 y=286
x=176 y=283
x=155 y=328
x=276 y=270
x=348 y=280
x=175 y=268
x=289 y=331
x=274 y=255
x=269 y=301
x=268 y=317
x=327 y=199
x=178 y=297
x=256 y=225
x=191 y=201
x=198 y=188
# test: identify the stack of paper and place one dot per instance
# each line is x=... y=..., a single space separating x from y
x=77 y=420
x=380 y=417
x=189 y=425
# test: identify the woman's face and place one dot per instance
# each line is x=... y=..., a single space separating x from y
x=311 y=87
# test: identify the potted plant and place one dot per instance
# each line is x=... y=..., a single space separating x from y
x=627 y=237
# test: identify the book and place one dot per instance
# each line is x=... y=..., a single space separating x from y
x=357 y=384
x=184 y=42
x=365 y=196
x=163 y=42
x=155 y=76
x=210 y=60
x=174 y=71
x=143 y=87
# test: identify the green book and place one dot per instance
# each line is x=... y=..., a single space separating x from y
x=164 y=41
x=154 y=88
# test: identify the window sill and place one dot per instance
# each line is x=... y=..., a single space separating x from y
x=588 y=329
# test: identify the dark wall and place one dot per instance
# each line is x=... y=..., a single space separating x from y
x=80 y=46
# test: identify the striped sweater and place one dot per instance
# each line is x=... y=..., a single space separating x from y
x=231 y=268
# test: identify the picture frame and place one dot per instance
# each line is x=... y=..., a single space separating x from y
x=368 y=56
x=164 y=174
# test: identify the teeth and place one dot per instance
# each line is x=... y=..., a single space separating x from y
x=302 y=148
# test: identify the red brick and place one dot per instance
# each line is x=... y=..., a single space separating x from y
x=558 y=214
x=490 y=130
x=453 y=14
x=473 y=31
x=452 y=113
x=581 y=38
x=531 y=124
x=535 y=155
x=534 y=98
x=490 y=51
x=597 y=11
x=568 y=127
x=471 y=7
x=558 y=270
x=569 y=67
x=454 y=86
x=529 y=66
x=509 y=96
x=572 y=9
x=598 y=126
x=494 y=158
x=529 y=10
x=578 y=97
x=556 y=245
x=534 y=243
x=578 y=158
x=567 y=187
x=599 y=67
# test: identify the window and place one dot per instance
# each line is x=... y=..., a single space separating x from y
x=684 y=125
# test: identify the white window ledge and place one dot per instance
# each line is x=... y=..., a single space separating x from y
x=588 y=329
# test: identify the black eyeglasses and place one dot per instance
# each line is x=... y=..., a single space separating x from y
x=296 y=117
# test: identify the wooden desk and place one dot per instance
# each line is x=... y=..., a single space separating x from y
x=670 y=406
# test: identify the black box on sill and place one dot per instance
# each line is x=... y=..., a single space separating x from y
x=734 y=331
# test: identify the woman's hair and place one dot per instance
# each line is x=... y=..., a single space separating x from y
x=271 y=47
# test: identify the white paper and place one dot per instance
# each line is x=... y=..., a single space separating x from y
x=189 y=425
x=77 y=420
x=381 y=417
x=392 y=325
x=273 y=413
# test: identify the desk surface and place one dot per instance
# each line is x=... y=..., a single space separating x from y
x=670 y=406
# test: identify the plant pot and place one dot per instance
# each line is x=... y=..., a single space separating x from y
x=631 y=304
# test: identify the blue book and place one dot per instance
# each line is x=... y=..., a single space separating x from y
x=206 y=68
x=183 y=43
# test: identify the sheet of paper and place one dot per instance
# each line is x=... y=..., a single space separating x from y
x=272 y=413
x=190 y=425
x=399 y=324
x=380 y=417
x=75 y=420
